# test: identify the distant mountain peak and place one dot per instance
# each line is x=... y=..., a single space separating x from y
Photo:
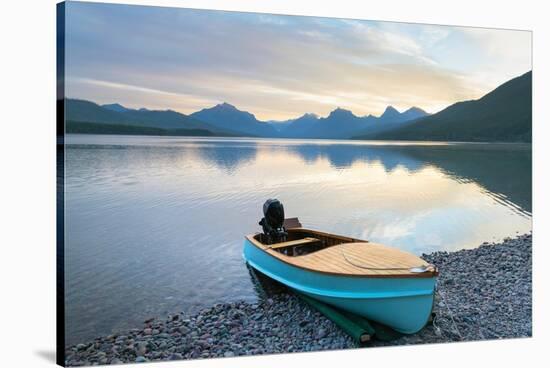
x=415 y=109
x=340 y=112
x=390 y=111
x=341 y=109
x=227 y=109
x=116 y=104
x=115 y=107
x=413 y=113
x=227 y=116
x=226 y=106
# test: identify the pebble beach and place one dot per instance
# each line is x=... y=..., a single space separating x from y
x=483 y=293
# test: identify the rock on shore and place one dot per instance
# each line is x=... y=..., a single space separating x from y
x=483 y=293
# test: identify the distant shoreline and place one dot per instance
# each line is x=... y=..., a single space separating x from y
x=77 y=127
x=163 y=134
x=483 y=293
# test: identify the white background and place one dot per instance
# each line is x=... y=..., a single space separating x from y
x=27 y=202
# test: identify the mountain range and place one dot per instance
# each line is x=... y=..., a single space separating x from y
x=227 y=116
x=115 y=114
x=502 y=115
x=343 y=124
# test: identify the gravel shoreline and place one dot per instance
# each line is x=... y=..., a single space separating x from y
x=483 y=293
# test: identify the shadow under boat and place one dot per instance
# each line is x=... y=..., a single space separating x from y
x=360 y=329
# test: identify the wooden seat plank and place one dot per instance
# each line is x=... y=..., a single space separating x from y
x=293 y=243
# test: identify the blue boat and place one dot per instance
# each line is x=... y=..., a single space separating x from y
x=380 y=283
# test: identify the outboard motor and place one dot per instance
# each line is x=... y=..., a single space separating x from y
x=272 y=222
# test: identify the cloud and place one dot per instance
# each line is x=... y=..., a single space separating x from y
x=141 y=96
x=503 y=54
x=277 y=67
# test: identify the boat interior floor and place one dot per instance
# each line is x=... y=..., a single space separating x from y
x=303 y=241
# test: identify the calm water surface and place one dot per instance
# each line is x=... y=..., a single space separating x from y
x=155 y=225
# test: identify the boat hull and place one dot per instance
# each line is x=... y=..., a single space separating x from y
x=404 y=304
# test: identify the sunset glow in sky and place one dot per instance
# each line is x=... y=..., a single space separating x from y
x=279 y=67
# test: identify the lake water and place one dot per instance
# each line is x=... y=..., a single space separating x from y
x=155 y=225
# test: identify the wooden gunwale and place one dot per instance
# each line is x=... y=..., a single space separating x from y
x=338 y=267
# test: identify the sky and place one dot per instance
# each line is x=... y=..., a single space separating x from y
x=280 y=67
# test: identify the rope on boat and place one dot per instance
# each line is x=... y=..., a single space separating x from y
x=450 y=313
x=418 y=269
x=435 y=325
